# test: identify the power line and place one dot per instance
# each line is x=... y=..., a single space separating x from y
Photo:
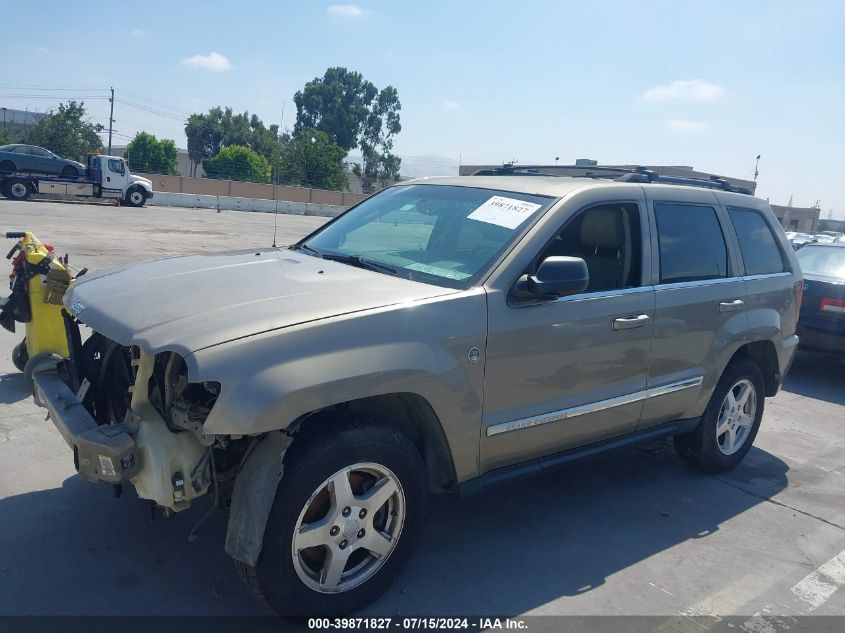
x=150 y=109
x=52 y=97
x=62 y=87
x=144 y=98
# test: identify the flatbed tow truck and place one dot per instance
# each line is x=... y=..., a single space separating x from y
x=106 y=177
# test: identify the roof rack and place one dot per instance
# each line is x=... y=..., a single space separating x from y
x=633 y=173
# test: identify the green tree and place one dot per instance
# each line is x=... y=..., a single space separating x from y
x=263 y=140
x=198 y=141
x=337 y=104
x=379 y=164
x=13 y=134
x=220 y=127
x=67 y=132
x=311 y=159
x=353 y=112
x=147 y=154
x=236 y=162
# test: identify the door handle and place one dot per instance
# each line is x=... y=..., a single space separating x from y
x=730 y=306
x=630 y=322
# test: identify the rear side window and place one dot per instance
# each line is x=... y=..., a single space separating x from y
x=692 y=246
x=759 y=249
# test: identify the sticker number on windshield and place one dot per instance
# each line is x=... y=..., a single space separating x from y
x=507 y=212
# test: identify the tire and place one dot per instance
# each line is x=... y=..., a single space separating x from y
x=70 y=172
x=7 y=166
x=708 y=447
x=290 y=580
x=20 y=355
x=17 y=189
x=135 y=198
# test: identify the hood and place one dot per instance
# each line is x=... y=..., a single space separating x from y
x=184 y=304
x=133 y=179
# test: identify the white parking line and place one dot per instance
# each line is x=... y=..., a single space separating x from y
x=819 y=585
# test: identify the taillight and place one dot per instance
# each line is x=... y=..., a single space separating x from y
x=829 y=304
x=798 y=287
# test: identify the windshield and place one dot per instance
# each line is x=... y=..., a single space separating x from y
x=828 y=261
x=445 y=235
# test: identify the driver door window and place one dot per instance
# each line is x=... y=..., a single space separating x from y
x=609 y=240
x=116 y=166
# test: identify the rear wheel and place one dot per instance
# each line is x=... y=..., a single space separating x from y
x=730 y=422
x=7 y=165
x=17 y=189
x=347 y=515
x=135 y=198
x=70 y=172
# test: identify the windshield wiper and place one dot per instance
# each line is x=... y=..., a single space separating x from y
x=307 y=249
x=360 y=262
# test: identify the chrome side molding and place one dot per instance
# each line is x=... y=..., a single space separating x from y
x=601 y=405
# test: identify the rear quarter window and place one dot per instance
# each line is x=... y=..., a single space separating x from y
x=757 y=244
x=692 y=246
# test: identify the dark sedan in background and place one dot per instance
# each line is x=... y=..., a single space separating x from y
x=30 y=158
x=821 y=323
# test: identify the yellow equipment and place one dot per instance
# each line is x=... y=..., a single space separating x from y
x=38 y=282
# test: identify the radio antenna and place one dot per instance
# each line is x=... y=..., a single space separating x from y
x=275 y=222
x=275 y=195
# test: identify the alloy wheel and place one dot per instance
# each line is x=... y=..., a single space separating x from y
x=348 y=528
x=736 y=417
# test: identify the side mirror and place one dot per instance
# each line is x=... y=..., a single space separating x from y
x=559 y=276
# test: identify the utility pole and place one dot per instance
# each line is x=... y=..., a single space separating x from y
x=111 y=117
x=756 y=165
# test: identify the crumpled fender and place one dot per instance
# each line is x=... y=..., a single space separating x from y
x=255 y=489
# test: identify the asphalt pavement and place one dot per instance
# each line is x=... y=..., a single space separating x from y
x=629 y=533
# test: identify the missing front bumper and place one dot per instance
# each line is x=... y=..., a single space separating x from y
x=101 y=453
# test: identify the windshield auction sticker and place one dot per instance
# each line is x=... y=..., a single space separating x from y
x=501 y=211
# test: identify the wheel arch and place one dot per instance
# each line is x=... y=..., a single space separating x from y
x=263 y=466
x=412 y=415
x=764 y=354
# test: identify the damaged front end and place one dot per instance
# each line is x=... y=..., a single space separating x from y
x=131 y=416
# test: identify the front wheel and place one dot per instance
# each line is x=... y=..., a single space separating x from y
x=135 y=198
x=730 y=422
x=70 y=172
x=347 y=515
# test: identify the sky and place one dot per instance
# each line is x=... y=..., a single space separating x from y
x=710 y=84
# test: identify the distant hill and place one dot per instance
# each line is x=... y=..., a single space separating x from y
x=419 y=166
